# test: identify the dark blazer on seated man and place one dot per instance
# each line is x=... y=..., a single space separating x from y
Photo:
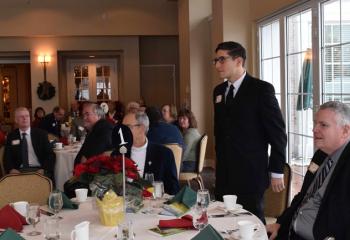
x=97 y=141
x=160 y=161
x=99 y=137
x=41 y=146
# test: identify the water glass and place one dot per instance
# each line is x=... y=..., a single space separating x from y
x=55 y=202
x=125 y=231
x=200 y=217
x=33 y=217
x=203 y=197
x=149 y=177
x=51 y=229
x=158 y=189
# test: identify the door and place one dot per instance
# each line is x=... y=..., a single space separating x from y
x=92 y=80
x=159 y=79
x=15 y=89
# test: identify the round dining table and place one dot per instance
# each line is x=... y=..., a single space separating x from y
x=142 y=222
x=65 y=163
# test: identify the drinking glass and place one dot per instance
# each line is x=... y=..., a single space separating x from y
x=158 y=191
x=203 y=197
x=149 y=177
x=55 y=202
x=33 y=217
x=200 y=217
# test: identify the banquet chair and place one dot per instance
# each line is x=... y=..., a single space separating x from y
x=177 y=151
x=30 y=187
x=188 y=176
x=2 y=169
x=277 y=202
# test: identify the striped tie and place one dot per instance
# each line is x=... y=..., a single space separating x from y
x=321 y=177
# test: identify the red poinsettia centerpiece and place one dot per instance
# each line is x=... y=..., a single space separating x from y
x=103 y=165
x=102 y=172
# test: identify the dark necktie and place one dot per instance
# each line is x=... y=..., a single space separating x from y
x=229 y=96
x=24 y=148
x=321 y=177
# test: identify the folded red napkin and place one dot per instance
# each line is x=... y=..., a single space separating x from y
x=10 y=218
x=184 y=222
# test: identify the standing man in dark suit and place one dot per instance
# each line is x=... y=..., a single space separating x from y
x=322 y=208
x=151 y=157
x=99 y=136
x=247 y=120
x=28 y=149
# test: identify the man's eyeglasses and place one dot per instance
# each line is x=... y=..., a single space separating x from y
x=131 y=126
x=220 y=59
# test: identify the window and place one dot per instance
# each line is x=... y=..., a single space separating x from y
x=299 y=89
x=270 y=56
x=93 y=80
x=335 y=50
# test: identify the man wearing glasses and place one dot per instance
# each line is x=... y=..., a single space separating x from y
x=99 y=137
x=151 y=157
x=247 y=120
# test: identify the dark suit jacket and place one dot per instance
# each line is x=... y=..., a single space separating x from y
x=41 y=146
x=97 y=141
x=51 y=125
x=243 y=130
x=163 y=133
x=333 y=218
x=160 y=161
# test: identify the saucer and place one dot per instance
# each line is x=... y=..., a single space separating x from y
x=237 y=208
x=75 y=200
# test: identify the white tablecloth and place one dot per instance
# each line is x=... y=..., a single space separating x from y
x=141 y=224
x=65 y=164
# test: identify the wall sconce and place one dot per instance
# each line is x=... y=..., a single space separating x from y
x=44 y=59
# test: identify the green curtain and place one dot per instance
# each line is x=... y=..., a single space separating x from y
x=305 y=84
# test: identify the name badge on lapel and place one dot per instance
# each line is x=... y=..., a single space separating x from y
x=16 y=142
x=218 y=99
x=313 y=167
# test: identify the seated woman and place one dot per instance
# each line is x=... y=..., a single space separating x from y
x=188 y=127
x=169 y=113
x=39 y=115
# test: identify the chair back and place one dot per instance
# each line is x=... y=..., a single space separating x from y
x=2 y=168
x=30 y=187
x=177 y=151
x=202 y=147
x=277 y=202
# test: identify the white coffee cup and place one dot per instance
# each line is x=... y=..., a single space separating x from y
x=230 y=202
x=58 y=145
x=81 y=231
x=81 y=194
x=21 y=207
x=246 y=229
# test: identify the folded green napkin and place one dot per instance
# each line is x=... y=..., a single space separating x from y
x=208 y=233
x=186 y=196
x=9 y=234
x=67 y=203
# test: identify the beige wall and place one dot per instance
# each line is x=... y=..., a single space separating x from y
x=200 y=64
x=88 y=17
x=50 y=45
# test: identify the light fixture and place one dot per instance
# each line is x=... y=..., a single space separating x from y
x=44 y=59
